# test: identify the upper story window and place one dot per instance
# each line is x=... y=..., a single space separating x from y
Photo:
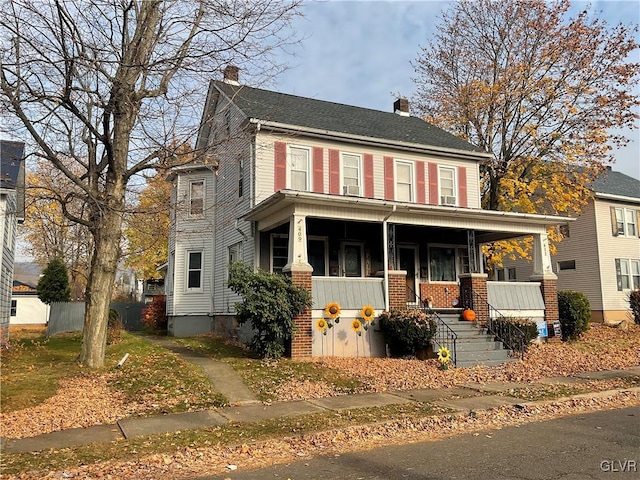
x=240 y=178
x=194 y=270
x=404 y=181
x=299 y=173
x=624 y=221
x=196 y=198
x=351 y=174
x=447 y=185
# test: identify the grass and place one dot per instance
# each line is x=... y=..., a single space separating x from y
x=226 y=435
x=265 y=378
x=156 y=380
x=551 y=392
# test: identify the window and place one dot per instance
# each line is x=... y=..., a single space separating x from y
x=506 y=274
x=240 y=177
x=194 y=270
x=564 y=231
x=404 y=181
x=318 y=253
x=279 y=251
x=567 y=265
x=196 y=198
x=351 y=174
x=627 y=274
x=624 y=221
x=235 y=253
x=14 y=308
x=447 y=178
x=445 y=263
x=299 y=172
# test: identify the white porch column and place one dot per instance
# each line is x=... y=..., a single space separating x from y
x=542 y=257
x=298 y=259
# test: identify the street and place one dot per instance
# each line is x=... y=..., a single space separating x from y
x=601 y=445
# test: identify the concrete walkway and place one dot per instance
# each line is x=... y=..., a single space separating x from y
x=247 y=410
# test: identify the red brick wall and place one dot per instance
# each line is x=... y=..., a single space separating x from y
x=398 y=289
x=549 y=289
x=473 y=292
x=302 y=330
x=442 y=294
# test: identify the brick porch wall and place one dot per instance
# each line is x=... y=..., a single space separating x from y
x=301 y=340
x=443 y=294
x=397 y=289
x=475 y=283
x=549 y=289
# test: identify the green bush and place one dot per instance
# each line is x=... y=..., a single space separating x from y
x=154 y=314
x=510 y=336
x=634 y=303
x=407 y=331
x=575 y=312
x=270 y=303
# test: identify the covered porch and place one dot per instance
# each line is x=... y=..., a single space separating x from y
x=388 y=255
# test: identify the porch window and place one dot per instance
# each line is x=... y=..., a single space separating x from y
x=445 y=263
x=318 y=253
x=447 y=180
x=279 y=251
x=351 y=173
x=196 y=198
x=299 y=172
x=194 y=270
x=404 y=181
x=627 y=274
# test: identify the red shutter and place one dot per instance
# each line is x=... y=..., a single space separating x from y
x=462 y=186
x=389 y=182
x=368 y=175
x=280 y=166
x=318 y=169
x=420 y=186
x=334 y=172
x=433 y=184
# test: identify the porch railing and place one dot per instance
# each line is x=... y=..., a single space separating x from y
x=445 y=336
x=511 y=336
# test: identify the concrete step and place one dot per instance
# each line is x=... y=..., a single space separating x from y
x=488 y=363
x=478 y=346
x=482 y=355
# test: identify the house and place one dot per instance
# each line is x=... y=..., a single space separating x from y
x=363 y=207
x=11 y=213
x=600 y=253
x=26 y=307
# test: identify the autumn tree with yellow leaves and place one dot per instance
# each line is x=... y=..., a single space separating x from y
x=541 y=91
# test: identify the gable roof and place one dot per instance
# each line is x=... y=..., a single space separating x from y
x=616 y=183
x=326 y=116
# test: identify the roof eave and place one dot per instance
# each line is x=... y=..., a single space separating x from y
x=618 y=198
x=414 y=147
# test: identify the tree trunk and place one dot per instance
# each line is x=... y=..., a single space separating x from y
x=100 y=286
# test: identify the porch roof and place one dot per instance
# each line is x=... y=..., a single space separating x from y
x=489 y=225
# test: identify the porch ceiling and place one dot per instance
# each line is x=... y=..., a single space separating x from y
x=490 y=225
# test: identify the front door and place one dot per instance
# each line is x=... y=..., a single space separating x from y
x=407 y=259
x=352 y=259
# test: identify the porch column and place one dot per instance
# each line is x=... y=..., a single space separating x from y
x=300 y=270
x=397 y=289
x=543 y=273
x=473 y=294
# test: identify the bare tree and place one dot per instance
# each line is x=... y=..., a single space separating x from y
x=109 y=84
x=541 y=91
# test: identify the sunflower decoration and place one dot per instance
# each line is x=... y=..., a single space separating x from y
x=444 y=355
x=322 y=325
x=368 y=314
x=356 y=326
x=332 y=310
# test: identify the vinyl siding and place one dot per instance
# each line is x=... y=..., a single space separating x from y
x=8 y=235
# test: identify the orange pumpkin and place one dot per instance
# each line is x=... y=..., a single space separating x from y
x=469 y=315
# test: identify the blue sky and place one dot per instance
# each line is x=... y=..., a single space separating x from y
x=360 y=53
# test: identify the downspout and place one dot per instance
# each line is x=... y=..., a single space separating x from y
x=385 y=257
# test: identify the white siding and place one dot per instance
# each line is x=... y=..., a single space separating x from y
x=29 y=311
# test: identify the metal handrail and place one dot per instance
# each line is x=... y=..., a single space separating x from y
x=511 y=336
x=445 y=336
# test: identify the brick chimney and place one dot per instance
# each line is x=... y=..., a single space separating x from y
x=401 y=106
x=231 y=75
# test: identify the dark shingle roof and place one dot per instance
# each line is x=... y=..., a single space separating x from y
x=11 y=156
x=617 y=183
x=335 y=117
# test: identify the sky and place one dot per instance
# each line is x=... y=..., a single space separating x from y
x=360 y=53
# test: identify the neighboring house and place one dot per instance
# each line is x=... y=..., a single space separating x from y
x=26 y=307
x=358 y=205
x=600 y=254
x=11 y=213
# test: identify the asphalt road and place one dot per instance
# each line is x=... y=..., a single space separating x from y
x=601 y=445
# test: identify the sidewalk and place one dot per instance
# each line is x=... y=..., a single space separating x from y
x=246 y=409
